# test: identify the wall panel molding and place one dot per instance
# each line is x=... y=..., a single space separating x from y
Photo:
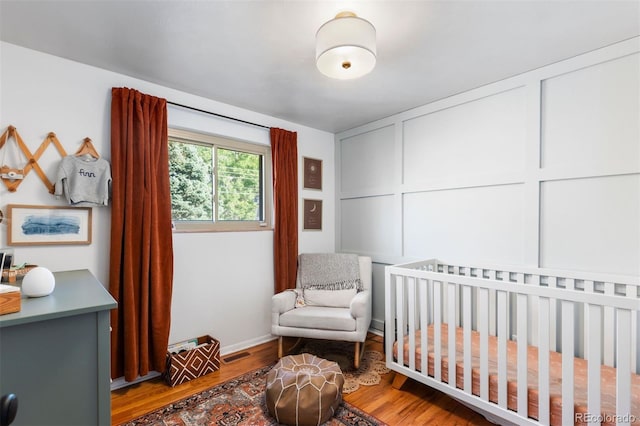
x=530 y=173
x=485 y=201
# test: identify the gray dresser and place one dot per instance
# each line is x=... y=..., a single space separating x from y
x=55 y=354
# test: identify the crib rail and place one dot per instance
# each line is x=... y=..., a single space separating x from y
x=591 y=316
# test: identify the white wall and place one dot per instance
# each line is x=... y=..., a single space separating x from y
x=542 y=170
x=223 y=281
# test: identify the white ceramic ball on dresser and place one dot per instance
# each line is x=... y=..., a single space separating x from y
x=38 y=282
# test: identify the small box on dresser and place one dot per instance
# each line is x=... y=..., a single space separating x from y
x=190 y=364
x=9 y=299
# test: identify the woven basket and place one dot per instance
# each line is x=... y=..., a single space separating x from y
x=12 y=275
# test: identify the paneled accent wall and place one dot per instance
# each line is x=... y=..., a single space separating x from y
x=541 y=170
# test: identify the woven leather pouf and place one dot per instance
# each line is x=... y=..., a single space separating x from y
x=304 y=390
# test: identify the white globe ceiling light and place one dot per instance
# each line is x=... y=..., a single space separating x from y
x=346 y=47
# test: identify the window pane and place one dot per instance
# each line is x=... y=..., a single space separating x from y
x=239 y=185
x=218 y=184
x=191 y=182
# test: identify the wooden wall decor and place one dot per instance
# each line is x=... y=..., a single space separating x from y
x=312 y=217
x=50 y=139
x=87 y=148
x=13 y=176
x=312 y=175
x=32 y=159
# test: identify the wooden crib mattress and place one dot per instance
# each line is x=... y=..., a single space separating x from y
x=608 y=376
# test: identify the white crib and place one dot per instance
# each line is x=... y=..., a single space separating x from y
x=533 y=346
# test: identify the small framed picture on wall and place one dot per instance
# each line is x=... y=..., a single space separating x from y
x=312 y=218
x=312 y=176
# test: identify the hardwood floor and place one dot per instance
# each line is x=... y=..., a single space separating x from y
x=414 y=404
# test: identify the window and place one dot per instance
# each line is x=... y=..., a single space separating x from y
x=218 y=184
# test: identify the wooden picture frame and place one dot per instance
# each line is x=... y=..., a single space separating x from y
x=48 y=225
x=312 y=217
x=312 y=173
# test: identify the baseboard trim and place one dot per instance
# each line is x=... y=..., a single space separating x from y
x=376 y=332
x=224 y=350
x=377 y=325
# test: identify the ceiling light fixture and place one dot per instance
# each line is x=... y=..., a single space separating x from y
x=346 y=47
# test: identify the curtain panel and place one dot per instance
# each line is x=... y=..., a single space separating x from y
x=141 y=255
x=284 y=155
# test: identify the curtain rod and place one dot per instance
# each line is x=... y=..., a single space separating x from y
x=218 y=115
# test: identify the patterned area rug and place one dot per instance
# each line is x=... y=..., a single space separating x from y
x=372 y=364
x=238 y=402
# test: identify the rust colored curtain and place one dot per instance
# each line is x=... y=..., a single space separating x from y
x=141 y=262
x=284 y=155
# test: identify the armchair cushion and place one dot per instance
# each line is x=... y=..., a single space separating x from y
x=330 y=298
x=319 y=317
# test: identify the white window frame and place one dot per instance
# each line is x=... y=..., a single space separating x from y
x=214 y=141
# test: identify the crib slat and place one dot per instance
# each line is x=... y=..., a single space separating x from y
x=445 y=302
x=437 y=330
x=544 y=416
x=593 y=330
x=452 y=321
x=492 y=306
x=411 y=301
x=567 y=361
x=589 y=287
x=424 y=324
x=458 y=306
x=430 y=303
x=458 y=271
x=578 y=343
x=522 y=354
x=553 y=320
x=519 y=278
x=635 y=344
x=400 y=312
x=609 y=324
x=623 y=367
x=503 y=311
x=466 y=312
x=483 y=328
x=533 y=313
x=390 y=314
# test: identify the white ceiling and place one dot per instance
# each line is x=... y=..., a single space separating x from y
x=259 y=55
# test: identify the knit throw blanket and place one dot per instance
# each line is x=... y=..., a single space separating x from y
x=329 y=271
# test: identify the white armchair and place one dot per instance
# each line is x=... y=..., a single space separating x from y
x=336 y=314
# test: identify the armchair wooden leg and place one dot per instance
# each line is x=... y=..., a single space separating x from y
x=280 y=351
x=358 y=354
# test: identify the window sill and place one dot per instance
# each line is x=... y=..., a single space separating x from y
x=209 y=230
